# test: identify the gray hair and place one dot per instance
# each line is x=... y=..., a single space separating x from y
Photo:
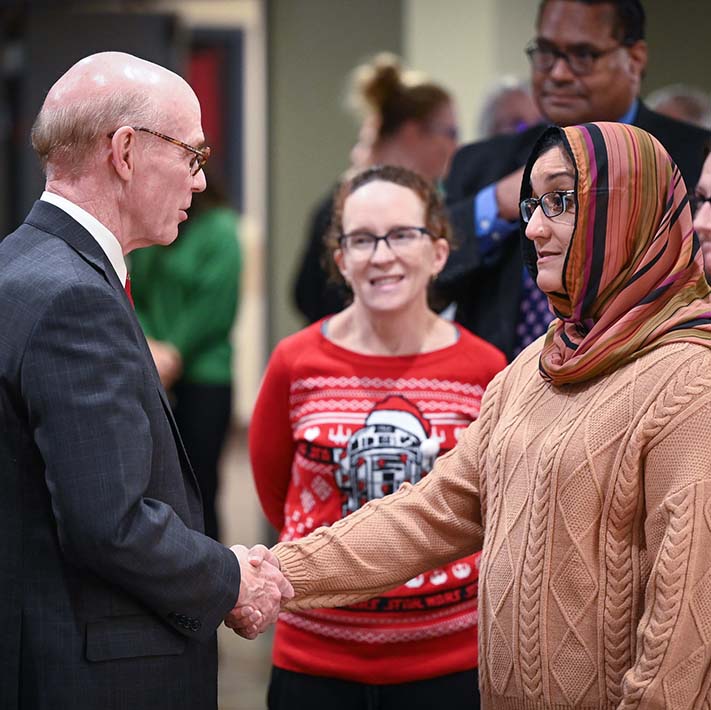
x=64 y=136
x=498 y=91
x=692 y=103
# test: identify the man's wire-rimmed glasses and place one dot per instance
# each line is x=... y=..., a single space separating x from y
x=201 y=155
x=581 y=60
x=400 y=240
x=552 y=203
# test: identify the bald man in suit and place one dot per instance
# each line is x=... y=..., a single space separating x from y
x=111 y=592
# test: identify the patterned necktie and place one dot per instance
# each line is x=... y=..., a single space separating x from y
x=534 y=315
x=127 y=288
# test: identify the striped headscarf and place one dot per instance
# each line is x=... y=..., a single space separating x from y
x=633 y=274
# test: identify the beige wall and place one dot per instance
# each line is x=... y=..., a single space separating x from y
x=679 y=38
x=467 y=45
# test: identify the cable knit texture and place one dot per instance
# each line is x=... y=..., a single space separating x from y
x=595 y=582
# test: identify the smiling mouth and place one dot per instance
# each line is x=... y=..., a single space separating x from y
x=385 y=280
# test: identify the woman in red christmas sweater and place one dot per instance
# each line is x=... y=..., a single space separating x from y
x=351 y=407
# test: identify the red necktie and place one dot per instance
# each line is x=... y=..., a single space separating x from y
x=127 y=288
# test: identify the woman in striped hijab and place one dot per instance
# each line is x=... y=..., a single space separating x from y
x=631 y=274
x=587 y=477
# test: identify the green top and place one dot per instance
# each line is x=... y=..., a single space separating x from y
x=187 y=293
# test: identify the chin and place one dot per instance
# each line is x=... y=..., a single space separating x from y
x=375 y=306
x=548 y=285
x=383 y=306
x=170 y=235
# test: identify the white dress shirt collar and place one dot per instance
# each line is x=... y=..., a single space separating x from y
x=107 y=241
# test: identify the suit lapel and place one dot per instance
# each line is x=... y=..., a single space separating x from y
x=53 y=220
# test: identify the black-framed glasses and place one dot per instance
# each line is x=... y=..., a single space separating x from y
x=580 y=59
x=400 y=240
x=200 y=155
x=552 y=203
x=696 y=201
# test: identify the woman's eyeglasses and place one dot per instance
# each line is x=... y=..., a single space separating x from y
x=400 y=240
x=552 y=203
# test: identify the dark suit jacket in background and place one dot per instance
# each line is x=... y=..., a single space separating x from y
x=110 y=593
x=488 y=294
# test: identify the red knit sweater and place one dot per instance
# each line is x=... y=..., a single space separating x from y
x=332 y=429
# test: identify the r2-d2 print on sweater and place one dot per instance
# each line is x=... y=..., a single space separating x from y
x=394 y=446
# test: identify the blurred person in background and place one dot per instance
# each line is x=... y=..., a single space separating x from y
x=186 y=298
x=407 y=120
x=508 y=108
x=350 y=408
x=682 y=102
x=700 y=200
x=587 y=62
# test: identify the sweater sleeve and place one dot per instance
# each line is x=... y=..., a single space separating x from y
x=392 y=539
x=271 y=442
x=672 y=668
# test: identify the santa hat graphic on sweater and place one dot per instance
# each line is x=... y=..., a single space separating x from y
x=399 y=412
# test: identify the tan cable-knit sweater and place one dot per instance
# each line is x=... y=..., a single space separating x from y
x=596 y=500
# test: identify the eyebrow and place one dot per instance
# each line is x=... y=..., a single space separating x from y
x=575 y=46
x=562 y=173
x=365 y=230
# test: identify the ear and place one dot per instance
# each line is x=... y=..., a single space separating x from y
x=638 y=58
x=123 y=149
x=441 y=254
x=339 y=261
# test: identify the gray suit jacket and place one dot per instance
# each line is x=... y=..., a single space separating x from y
x=110 y=592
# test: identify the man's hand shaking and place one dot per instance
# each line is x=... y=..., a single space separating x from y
x=262 y=590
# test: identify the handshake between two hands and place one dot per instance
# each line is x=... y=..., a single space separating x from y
x=262 y=591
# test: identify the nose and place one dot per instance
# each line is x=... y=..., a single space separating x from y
x=561 y=71
x=199 y=181
x=536 y=225
x=382 y=253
